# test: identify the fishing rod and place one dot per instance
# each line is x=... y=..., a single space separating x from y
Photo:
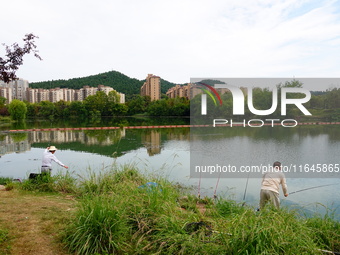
x=245 y=190
x=218 y=180
x=199 y=186
x=315 y=187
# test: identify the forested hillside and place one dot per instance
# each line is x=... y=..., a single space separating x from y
x=114 y=79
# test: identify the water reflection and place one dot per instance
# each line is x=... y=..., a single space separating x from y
x=113 y=143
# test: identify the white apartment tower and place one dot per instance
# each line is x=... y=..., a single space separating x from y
x=18 y=89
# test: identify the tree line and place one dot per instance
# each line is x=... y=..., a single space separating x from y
x=95 y=107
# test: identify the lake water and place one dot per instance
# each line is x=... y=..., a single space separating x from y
x=167 y=151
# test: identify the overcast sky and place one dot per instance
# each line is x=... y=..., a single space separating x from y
x=176 y=39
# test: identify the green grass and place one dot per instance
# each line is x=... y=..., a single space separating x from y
x=65 y=183
x=118 y=213
x=325 y=232
x=5 y=180
x=5 y=245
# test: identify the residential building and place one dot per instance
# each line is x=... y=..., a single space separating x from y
x=121 y=98
x=106 y=89
x=88 y=91
x=36 y=95
x=31 y=95
x=179 y=91
x=6 y=92
x=152 y=87
x=18 y=88
x=57 y=94
x=68 y=94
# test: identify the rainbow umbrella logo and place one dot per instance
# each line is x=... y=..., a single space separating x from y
x=211 y=91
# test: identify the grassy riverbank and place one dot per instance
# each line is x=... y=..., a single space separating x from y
x=117 y=212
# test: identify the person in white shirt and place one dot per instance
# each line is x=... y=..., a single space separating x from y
x=48 y=157
x=270 y=186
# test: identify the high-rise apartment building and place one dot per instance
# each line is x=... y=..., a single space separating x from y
x=179 y=91
x=18 y=88
x=31 y=95
x=152 y=87
x=6 y=93
x=69 y=95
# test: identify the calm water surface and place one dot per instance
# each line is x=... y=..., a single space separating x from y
x=166 y=151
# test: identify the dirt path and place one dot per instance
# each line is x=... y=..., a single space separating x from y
x=34 y=221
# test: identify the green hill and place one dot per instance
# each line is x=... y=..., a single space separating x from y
x=114 y=79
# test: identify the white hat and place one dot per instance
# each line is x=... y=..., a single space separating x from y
x=52 y=148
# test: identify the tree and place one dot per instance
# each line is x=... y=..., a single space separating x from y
x=62 y=109
x=14 y=58
x=32 y=109
x=333 y=98
x=113 y=97
x=46 y=109
x=17 y=110
x=2 y=102
x=138 y=104
x=113 y=106
x=97 y=103
x=77 y=109
x=3 y=108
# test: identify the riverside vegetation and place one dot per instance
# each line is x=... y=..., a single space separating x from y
x=323 y=105
x=116 y=212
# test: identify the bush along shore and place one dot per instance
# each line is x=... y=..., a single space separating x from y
x=125 y=212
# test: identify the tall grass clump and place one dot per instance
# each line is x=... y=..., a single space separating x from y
x=5 y=180
x=101 y=182
x=42 y=183
x=100 y=227
x=269 y=232
x=65 y=183
x=61 y=182
x=325 y=231
x=227 y=208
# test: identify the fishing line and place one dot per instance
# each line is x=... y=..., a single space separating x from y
x=199 y=181
x=313 y=188
x=117 y=147
x=51 y=118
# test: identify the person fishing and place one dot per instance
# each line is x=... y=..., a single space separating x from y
x=48 y=157
x=270 y=186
